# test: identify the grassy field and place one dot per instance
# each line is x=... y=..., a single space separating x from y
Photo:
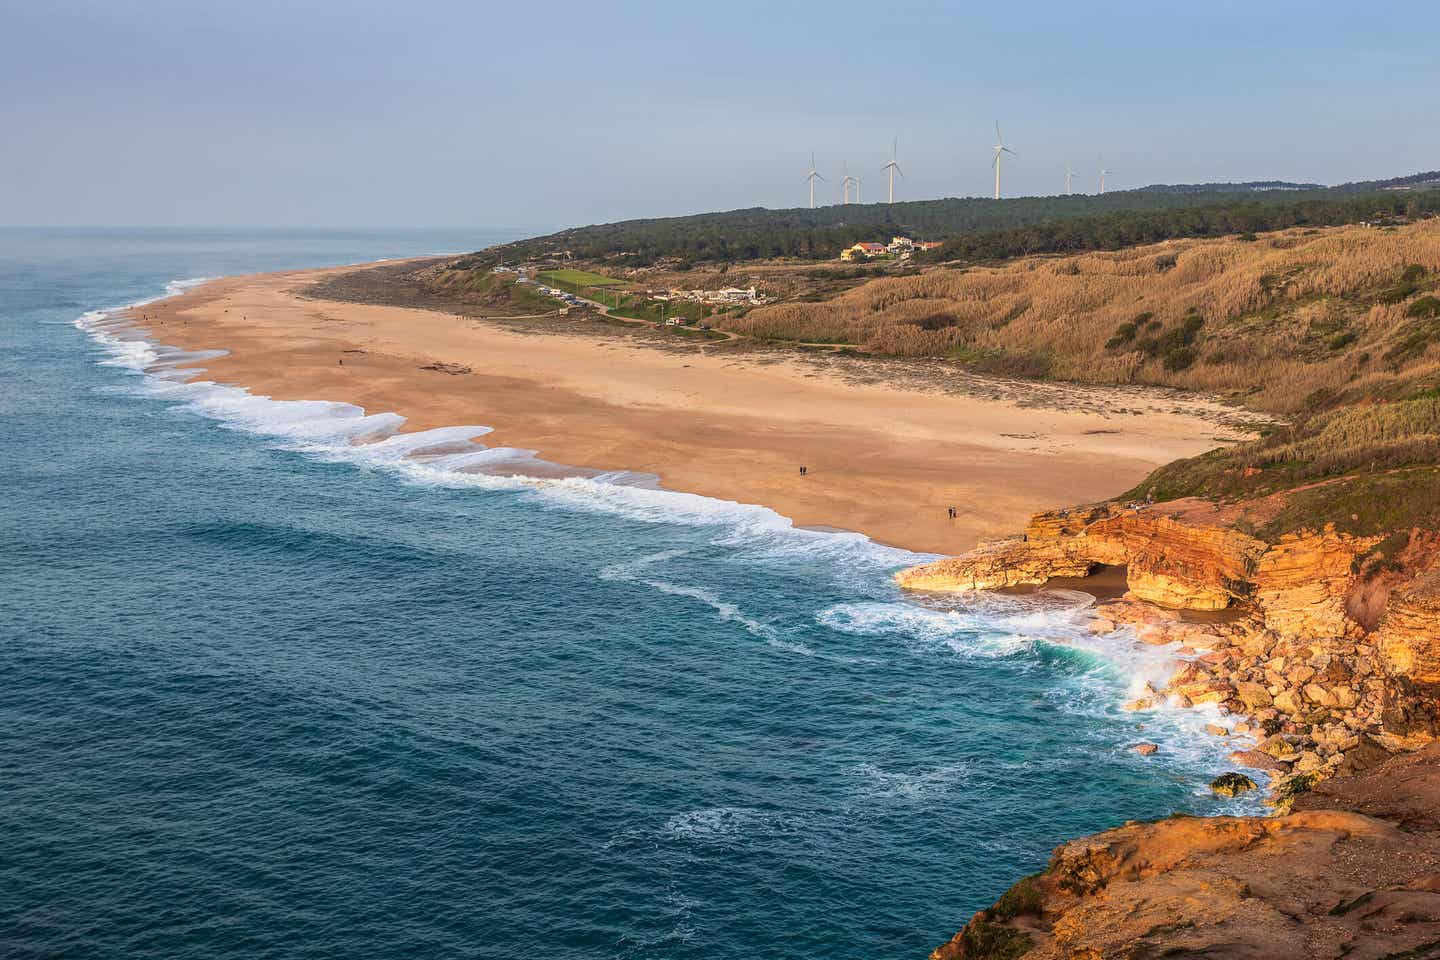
x=591 y=286
x=577 y=278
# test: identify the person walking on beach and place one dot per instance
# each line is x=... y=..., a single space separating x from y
x=802 y=469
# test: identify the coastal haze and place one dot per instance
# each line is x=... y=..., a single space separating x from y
x=467 y=497
x=460 y=114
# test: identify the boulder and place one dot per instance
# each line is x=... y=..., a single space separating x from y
x=1252 y=694
x=1287 y=701
x=1257 y=760
x=1318 y=694
x=1232 y=784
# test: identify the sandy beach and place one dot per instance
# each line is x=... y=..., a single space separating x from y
x=885 y=459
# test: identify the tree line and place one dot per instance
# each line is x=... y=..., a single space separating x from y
x=976 y=228
x=1133 y=228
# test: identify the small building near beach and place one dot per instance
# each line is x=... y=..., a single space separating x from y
x=863 y=248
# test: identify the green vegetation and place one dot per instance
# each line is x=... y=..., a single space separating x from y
x=980 y=229
x=1238 y=215
x=578 y=278
x=1004 y=363
x=984 y=940
x=497 y=293
x=591 y=286
x=621 y=303
x=657 y=311
x=1368 y=468
x=1020 y=900
x=527 y=297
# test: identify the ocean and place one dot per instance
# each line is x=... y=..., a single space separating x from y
x=267 y=693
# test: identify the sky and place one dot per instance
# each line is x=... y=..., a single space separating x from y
x=530 y=116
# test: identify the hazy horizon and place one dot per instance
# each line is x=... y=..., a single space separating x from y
x=448 y=116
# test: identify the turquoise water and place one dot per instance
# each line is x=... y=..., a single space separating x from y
x=269 y=694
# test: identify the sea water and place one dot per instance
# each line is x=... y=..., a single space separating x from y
x=267 y=692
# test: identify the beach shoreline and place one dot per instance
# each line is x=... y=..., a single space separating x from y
x=885 y=459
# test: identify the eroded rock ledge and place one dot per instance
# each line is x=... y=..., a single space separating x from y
x=1359 y=880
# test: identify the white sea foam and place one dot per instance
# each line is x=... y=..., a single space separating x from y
x=979 y=625
x=983 y=625
x=726 y=825
x=909 y=786
x=1026 y=629
x=451 y=456
x=632 y=571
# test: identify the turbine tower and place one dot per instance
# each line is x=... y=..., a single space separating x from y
x=859 y=187
x=1103 y=171
x=812 y=177
x=999 y=149
x=1069 y=178
x=846 y=180
x=893 y=167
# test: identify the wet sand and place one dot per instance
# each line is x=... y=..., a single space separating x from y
x=883 y=458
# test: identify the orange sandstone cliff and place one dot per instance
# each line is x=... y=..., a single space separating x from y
x=1330 y=660
x=1355 y=874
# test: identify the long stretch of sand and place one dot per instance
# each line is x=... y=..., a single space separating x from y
x=883 y=459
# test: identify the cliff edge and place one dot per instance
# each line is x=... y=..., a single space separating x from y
x=1327 y=657
x=1354 y=872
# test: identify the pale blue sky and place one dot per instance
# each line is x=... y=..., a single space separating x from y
x=530 y=115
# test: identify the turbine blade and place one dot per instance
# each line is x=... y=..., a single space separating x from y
x=898 y=170
x=1009 y=151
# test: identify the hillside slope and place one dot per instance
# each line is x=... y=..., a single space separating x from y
x=1275 y=322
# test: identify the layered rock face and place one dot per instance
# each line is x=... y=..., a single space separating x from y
x=1320 y=883
x=1300 y=586
x=1408 y=636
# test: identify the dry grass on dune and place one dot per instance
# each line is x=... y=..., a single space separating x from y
x=1277 y=318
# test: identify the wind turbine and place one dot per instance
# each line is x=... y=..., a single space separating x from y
x=1069 y=178
x=859 y=186
x=812 y=177
x=893 y=167
x=846 y=180
x=1103 y=171
x=999 y=149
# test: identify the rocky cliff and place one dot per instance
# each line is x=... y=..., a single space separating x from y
x=1354 y=874
x=1186 y=555
x=1329 y=662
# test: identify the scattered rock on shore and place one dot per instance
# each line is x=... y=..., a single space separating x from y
x=1258 y=760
